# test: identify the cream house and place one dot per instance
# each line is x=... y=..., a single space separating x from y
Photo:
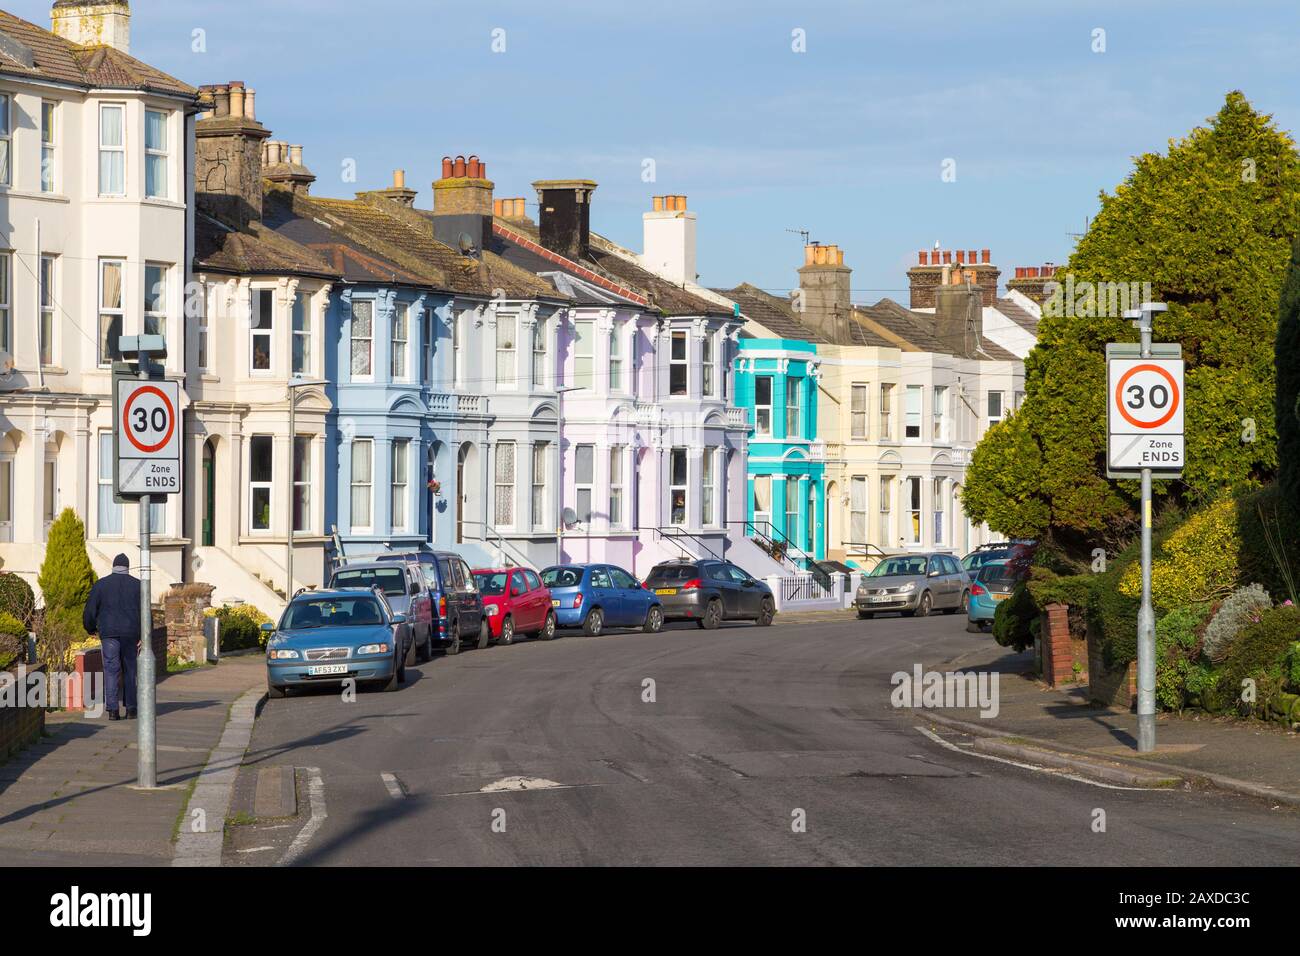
x=93 y=225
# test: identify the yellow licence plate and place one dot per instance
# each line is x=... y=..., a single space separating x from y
x=554 y=603
x=665 y=591
x=1001 y=597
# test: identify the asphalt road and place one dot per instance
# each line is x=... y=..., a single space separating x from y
x=750 y=731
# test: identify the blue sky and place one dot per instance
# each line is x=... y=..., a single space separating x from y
x=846 y=139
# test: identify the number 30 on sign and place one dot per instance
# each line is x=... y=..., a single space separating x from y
x=148 y=437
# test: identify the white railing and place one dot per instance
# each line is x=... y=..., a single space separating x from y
x=737 y=418
x=801 y=592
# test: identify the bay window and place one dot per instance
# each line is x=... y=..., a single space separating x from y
x=363 y=450
x=616 y=489
x=912 y=422
x=858 y=412
x=399 y=341
x=261 y=333
x=678 y=367
x=539 y=485
x=504 y=481
x=6 y=141
x=111 y=311
x=886 y=411
x=112 y=149
x=302 y=480
x=584 y=344
x=793 y=407
x=762 y=502
x=709 y=487
x=49 y=113
x=362 y=339
x=261 y=475
x=47 y=327
x=301 y=321
x=155 y=300
x=155 y=159
x=398 y=479
x=108 y=512
x=677 y=475
x=507 y=351
x=616 y=359
x=914 y=510
x=858 y=510
x=584 y=480
x=763 y=405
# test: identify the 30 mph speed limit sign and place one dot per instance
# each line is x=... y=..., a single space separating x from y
x=1145 y=413
x=147 y=424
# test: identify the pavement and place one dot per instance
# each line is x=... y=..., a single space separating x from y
x=70 y=799
x=741 y=746
x=1247 y=757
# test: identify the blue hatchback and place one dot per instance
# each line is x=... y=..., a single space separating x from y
x=993 y=584
x=596 y=596
x=327 y=637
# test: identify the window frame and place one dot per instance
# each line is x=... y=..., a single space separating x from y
x=679 y=365
x=301 y=480
x=300 y=333
x=48 y=328
x=886 y=412
x=761 y=517
x=152 y=153
x=507 y=354
x=858 y=415
x=106 y=506
x=709 y=487
x=399 y=485
x=49 y=147
x=119 y=312
x=988 y=406
x=584 y=362
x=118 y=150
x=159 y=318
x=6 y=305
x=256 y=331
x=539 y=354
x=675 y=453
x=617 y=359
x=708 y=362
x=941 y=430
x=915 y=509
x=859 y=483
x=760 y=406
x=7 y=139
x=255 y=485
x=617 y=486
x=367 y=485
x=354 y=339
x=399 y=343
x=537 y=500
x=507 y=485
x=583 y=485
x=794 y=406
x=937 y=509
x=914 y=413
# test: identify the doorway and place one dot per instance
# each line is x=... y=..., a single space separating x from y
x=208 y=531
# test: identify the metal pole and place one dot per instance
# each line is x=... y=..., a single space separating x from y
x=1146 y=642
x=559 y=466
x=145 y=713
x=293 y=457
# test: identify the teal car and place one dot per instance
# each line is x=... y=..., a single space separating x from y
x=328 y=637
x=993 y=584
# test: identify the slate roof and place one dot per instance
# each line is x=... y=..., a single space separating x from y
x=90 y=67
x=1019 y=315
x=916 y=329
x=772 y=312
x=606 y=265
x=255 y=251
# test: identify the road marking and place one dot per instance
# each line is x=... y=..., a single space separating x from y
x=256 y=849
x=316 y=793
x=395 y=788
x=522 y=783
x=1026 y=766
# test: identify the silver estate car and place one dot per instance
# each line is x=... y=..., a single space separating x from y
x=914 y=584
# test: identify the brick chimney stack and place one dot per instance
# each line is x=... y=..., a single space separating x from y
x=824 y=288
x=935 y=267
x=93 y=22
x=228 y=154
x=669 y=239
x=282 y=163
x=399 y=192
x=1032 y=281
x=462 y=204
x=564 y=215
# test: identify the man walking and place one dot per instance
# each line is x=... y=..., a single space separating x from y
x=113 y=612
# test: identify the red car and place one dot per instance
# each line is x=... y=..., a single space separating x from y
x=515 y=602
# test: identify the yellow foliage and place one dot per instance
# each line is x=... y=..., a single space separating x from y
x=1196 y=561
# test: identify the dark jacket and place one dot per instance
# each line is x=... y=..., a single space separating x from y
x=113 y=609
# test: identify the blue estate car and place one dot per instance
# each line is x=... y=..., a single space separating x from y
x=596 y=596
x=327 y=637
x=993 y=584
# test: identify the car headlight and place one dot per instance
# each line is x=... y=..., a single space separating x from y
x=491 y=610
x=283 y=655
x=907 y=588
x=365 y=649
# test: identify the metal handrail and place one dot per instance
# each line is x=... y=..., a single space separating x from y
x=774 y=537
x=674 y=533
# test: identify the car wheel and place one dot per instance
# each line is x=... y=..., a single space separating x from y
x=409 y=660
x=273 y=692
x=390 y=685
x=654 y=620
x=484 y=635
x=508 y=631
x=865 y=615
x=454 y=646
x=595 y=622
x=766 y=612
x=712 y=615
x=973 y=627
x=924 y=606
x=547 y=632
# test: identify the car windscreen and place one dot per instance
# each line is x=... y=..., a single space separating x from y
x=391 y=581
x=980 y=558
x=492 y=584
x=673 y=572
x=333 y=612
x=909 y=565
x=562 y=577
x=996 y=577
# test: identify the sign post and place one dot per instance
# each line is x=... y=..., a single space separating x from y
x=146 y=464
x=1145 y=438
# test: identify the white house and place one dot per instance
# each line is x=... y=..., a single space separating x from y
x=94 y=216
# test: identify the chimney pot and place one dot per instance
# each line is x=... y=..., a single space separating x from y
x=458 y=167
x=446 y=167
x=985 y=255
x=237 y=99
x=399 y=179
x=971 y=254
x=947 y=257
x=250 y=100
x=961 y=257
x=471 y=168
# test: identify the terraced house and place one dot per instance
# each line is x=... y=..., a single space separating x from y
x=94 y=215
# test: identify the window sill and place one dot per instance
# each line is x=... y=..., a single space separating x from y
x=162 y=203
x=40 y=196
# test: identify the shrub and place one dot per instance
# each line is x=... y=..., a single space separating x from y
x=1258 y=652
x=241 y=626
x=66 y=575
x=13 y=639
x=1015 y=621
x=1074 y=591
x=1293 y=667
x=17 y=597
x=1239 y=609
x=1112 y=620
x=1179 y=675
x=1196 y=562
x=1260 y=514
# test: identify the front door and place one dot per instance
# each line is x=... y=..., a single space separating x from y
x=209 y=497
x=460 y=495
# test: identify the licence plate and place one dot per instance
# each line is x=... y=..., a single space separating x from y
x=880 y=599
x=1001 y=597
x=318 y=670
x=554 y=603
x=665 y=591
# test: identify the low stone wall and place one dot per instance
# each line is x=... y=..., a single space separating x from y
x=19 y=725
x=1109 y=687
x=183 y=607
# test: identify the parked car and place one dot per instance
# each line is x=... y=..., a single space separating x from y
x=710 y=592
x=999 y=552
x=406 y=589
x=457 y=606
x=515 y=601
x=914 y=584
x=596 y=596
x=329 y=636
x=993 y=584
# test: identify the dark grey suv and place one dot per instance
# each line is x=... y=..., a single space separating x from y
x=710 y=592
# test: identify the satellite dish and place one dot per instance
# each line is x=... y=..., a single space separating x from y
x=6 y=364
x=467 y=246
x=569 y=517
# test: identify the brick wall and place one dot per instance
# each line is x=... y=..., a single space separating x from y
x=20 y=726
x=182 y=616
x=1110 y=687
